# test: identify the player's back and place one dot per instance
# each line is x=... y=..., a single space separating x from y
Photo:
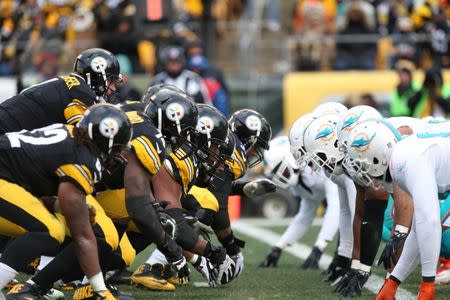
x=59 y=100
x=32 y=159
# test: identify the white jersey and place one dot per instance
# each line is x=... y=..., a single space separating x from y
x=420 y=167
x=412 y=153
x=314 y=186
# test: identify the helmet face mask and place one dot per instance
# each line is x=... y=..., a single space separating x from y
x=107 y=130
x=99 y=68
x=369 y=151
x=175 y=115
x=296 y=139
x=253 y=131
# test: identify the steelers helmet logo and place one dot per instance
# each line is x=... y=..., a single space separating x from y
x=99 y=64
x=109 y=127
x=253 y=123
x=175 y=112
x=205 y=125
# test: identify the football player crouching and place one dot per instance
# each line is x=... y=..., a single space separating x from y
x=68 y=160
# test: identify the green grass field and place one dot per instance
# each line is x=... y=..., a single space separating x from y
x=287 y=281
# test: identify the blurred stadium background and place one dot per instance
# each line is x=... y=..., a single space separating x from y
x=280 y=57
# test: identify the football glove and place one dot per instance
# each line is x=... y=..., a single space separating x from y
x=337 y=268
x=272 y=258
x=167 y=222
x=352 y=283
x=204 y=267
x=239 y=261
x=225 y=271
x=392 y=250
x=312 y=262
x=259 y=187
x=181 y=267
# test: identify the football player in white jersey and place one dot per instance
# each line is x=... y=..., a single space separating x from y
x=417 y=166
x=312 y=188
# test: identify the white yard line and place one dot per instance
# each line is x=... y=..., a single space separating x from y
x=302 y=251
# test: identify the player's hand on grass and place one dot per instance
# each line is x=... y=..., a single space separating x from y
x=272 y=258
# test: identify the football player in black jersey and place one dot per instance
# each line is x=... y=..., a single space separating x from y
x=126 y=196
x=63 y=99
x=67 y=161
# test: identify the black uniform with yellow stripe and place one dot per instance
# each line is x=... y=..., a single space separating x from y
x=148 y=145
x=32 y=164
x=62 y=99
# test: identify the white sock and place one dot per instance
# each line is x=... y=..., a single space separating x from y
x=85 y=280
x=6 y=275
x=157 y=257
x=45 y=260
x=97 y=282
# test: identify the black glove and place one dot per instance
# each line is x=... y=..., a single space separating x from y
x=167 y=222
x=337 y=268
x=181 y=267
x=392 y=249
x=312 y=262
x=352 y=283
x=259 y=187
x=272 y=258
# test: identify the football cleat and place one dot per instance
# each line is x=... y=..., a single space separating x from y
x=54 y=294
x=171 y=276
x=443 y=272
x=427 y=291
x=151 y=277
x=85 y=292
x=388 y=290
x=25 y=291
x=11 y=284
x=122 y=276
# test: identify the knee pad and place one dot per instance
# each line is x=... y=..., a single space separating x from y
x=186 y=235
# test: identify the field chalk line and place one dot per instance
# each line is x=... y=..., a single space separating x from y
x=302 y=251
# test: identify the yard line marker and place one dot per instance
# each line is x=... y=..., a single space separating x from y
x=302 y=251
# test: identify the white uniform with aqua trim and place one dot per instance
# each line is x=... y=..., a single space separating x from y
x=312 y=189
x=421 y=167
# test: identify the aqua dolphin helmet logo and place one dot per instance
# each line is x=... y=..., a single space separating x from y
x=350 y=121
x=326 y=132
x=361 y=143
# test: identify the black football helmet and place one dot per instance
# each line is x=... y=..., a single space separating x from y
x=212 y=132
x=106 y=129
x=99 y=68
x=175 y=115
x=253 y=131
x=154 y=89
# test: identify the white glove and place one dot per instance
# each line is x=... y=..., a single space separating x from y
x=259 y=187
x=225 y=271
x=204 y=267
x=239 y=261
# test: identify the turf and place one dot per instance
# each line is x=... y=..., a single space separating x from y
x=287 y=281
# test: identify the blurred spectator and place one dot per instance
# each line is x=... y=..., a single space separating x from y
x=272 y=12
x=125 y=90
x=327 y=10
x=195 y=47
x=433 y=99
x=216 y=92
x=404 y=42
x=175 y=73
x=355 y=54
x=314 y=51
x=439 y=30
x=225 y=11
x=405 y=89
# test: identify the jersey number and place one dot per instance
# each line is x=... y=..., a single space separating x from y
x=51 y=136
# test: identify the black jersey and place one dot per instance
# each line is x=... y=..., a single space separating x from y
x=185 y=170
x=39 y=160
x=62 y=99
x=238 y=163
x=147 y=143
